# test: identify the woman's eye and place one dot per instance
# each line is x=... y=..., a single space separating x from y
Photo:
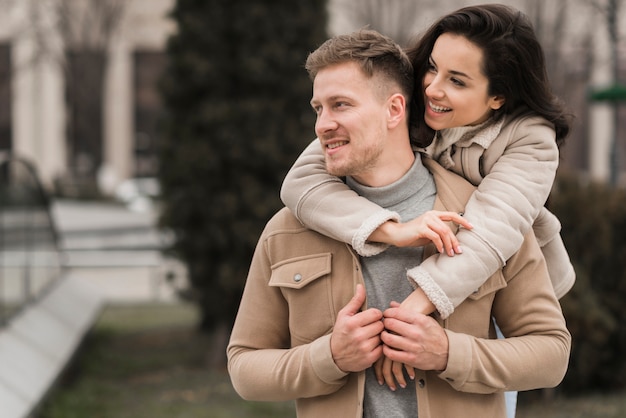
x=430 y=67
x=457 y=82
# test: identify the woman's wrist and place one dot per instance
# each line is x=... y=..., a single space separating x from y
x=384 y=233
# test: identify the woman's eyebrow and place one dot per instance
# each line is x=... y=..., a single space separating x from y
x=453 y=72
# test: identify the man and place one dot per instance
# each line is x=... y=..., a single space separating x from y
x=310 y=324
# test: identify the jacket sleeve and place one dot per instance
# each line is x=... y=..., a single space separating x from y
x=536 y=349
x=502 y=210
x=325 y=204
x=261 y=362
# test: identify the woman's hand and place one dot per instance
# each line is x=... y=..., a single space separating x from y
x=429 y=227
x=417 y=301
x=390 y=372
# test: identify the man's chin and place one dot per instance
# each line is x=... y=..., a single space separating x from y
x=335 y=170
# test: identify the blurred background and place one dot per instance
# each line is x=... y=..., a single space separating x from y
x=142 y=148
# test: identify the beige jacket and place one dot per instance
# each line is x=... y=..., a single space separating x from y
x=513 y=166
x=299 y=280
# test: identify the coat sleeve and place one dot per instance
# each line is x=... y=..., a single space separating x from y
x=261 y=362
x=325 y=204
x=502 y=210
x=536 y=349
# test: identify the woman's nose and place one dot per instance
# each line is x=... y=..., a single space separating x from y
x=432 y=87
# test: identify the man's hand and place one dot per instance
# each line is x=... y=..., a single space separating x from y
x=355 y=342
x=426 y=228
x=414 y=339
x=388 y=371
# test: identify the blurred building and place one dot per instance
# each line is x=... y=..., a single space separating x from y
x=79 y=81
x=79 y=88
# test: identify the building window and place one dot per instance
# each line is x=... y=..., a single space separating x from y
x=6 y=133
x=149 y=66
x=84 y=91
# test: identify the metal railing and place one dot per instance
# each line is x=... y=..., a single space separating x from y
x=30 y=260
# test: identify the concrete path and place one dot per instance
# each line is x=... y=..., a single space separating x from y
x=118 y=251
x=39 y=341
x=112 y=255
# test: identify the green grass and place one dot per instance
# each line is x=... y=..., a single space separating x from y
x=611 y=405
x=148 y=361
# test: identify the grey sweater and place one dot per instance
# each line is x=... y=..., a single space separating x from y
x=385 y=277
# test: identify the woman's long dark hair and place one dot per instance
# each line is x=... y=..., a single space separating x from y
x=513 y=62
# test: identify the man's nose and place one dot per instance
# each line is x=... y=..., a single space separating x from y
x=325 y=123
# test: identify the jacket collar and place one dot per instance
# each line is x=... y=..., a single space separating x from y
x=453 y=191
x=441 y=149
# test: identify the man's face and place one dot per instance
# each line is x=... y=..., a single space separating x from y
x=351 y=119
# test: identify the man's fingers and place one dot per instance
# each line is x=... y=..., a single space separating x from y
x=369 y=320
x=357 y=301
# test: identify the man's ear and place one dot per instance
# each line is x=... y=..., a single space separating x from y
x=396 y=110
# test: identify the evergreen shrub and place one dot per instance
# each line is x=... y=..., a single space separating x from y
x=237 y=98
x=593 y=218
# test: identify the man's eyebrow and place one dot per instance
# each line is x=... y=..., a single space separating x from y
x=332 y=98
x=342 y=97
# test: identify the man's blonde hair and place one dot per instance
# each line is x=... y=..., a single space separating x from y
x=375 y=53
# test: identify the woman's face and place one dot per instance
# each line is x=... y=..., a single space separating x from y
x=455 y=88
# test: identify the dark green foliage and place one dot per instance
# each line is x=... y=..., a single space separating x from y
x=238 y=98
x=614 y=93
x=594 y=230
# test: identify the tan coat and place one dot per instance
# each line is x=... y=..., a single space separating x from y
x=300 y=279
x=514 y=169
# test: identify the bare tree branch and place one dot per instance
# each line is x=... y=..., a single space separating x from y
x=89 y=24
x=398 y=19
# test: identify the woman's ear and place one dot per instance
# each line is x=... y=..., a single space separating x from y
x=396 y=110
x=496 y=102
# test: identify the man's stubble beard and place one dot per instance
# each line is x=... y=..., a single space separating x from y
x=364 y=163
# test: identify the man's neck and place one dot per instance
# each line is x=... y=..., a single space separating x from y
x=389 y=169
x=407 y=187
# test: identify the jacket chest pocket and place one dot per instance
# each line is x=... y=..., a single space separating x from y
x=305 y=284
